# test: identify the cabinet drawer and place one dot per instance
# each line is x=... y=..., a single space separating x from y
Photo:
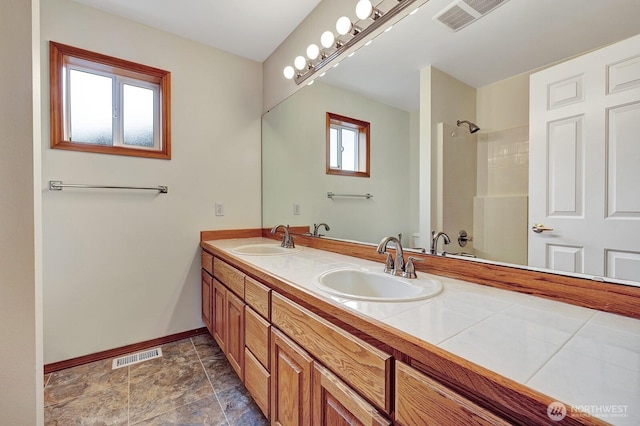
x=258 y=296
x=257 y=380
x=365 y=368
x=206 y=260
x=229 y=276
x=420 y=399
x=256 y=336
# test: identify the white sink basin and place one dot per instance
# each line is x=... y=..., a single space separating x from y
x=265 y=250
x=361 y=284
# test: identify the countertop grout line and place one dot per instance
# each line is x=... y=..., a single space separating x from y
x=474 y=324
x=566 y=342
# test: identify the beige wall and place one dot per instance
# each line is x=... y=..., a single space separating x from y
x=21 y=378
x=321 y=19
x=504 y=105
x=294 y=167
x=442 y=99
x=123 y=267
x=500 y=208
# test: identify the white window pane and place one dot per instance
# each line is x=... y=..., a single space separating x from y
x=349 y=144
x=91 y=108
x=137 y=116
x=333 y=148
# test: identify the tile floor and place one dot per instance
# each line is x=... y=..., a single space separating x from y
x=192 y=384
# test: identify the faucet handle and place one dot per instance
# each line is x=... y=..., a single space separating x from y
x=410 y=269
x=388 y=264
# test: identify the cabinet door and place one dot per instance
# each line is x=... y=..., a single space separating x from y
x=206 y=300
x=335 y=404
x=291 y=369
x=219 y=315
x=422 y=401
x=235 y=332
x=257 y=380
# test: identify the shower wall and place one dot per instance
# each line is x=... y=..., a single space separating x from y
x=501 y=203
x=500 y=206
x=456 y=183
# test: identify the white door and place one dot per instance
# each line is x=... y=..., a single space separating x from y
x=584 y=170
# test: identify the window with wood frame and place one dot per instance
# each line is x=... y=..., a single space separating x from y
x=348 y=146
x=107 y=105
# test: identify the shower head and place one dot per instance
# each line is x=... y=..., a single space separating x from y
x=472 y=127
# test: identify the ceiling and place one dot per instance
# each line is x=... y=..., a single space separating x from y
x=248 y=28
x=516 y=37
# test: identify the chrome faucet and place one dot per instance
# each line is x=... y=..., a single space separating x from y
x=287 y=239
x=434 y=240
x=393 y=267
x=316 y=229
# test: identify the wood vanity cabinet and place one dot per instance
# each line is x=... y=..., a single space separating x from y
x=207 y=309
x=206 y=289
x=421 y=400
x=309 y=352
x=219 y=316
x=303 y=370
x=336 y=404
x=291 y=370
x=257 y=330
x=228 y=313
x=235 y=333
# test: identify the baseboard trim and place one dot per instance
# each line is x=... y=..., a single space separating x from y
x=111 y=353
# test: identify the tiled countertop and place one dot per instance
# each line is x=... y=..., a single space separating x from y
x=587 y=359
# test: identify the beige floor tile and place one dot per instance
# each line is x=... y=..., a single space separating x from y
x=166 y=388
x=206 y=411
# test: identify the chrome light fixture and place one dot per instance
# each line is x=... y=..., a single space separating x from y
x=369 y=20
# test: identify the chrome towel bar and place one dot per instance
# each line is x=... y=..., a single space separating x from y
x=57 y=185
x=332 y=195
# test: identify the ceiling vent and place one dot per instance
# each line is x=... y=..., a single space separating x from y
x=461 y=13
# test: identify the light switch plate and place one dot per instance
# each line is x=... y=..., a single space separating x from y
x=219 y=209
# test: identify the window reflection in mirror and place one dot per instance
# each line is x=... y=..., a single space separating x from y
x=347 y=146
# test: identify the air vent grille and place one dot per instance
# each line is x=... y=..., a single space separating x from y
x=136 y=358
x=483 y=6
x=456 y=18
x=461 y=13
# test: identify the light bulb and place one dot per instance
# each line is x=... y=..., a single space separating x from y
x=313 y=51
x=288 y=72
x=300 y=62
x=364 y=8
x=326 y=39
x=343 y=25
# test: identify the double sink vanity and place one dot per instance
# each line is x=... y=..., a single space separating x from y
x=320 y=334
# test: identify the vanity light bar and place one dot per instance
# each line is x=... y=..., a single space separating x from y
x=303 y=72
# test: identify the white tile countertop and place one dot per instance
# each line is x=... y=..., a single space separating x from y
x=585 y=358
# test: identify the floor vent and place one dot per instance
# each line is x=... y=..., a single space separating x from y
x=136 y=358
x=461 y=13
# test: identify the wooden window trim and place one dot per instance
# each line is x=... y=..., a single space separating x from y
x=57 y=54
x=364 y=132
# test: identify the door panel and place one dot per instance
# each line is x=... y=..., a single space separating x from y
x=583 y=173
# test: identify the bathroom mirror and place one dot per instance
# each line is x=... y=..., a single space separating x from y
x=382 y=84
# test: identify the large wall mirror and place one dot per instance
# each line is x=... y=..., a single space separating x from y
x=413 y=84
